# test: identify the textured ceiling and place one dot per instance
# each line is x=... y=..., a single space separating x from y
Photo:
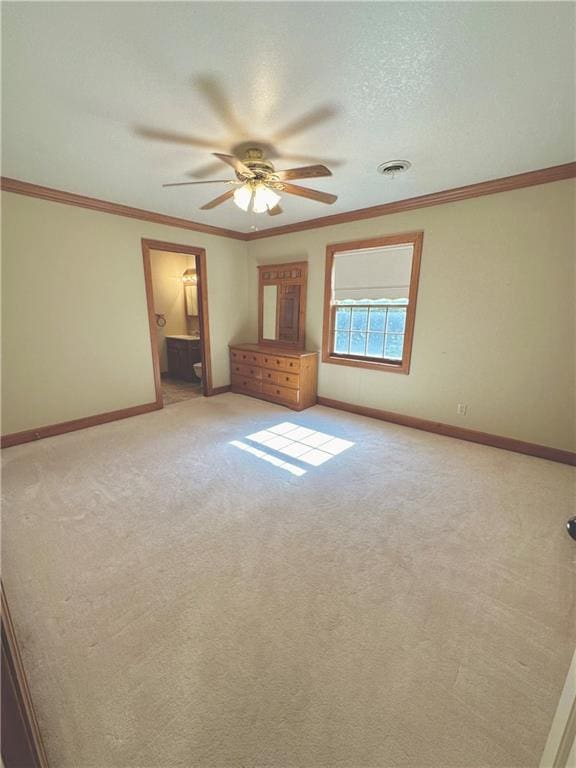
x=465 y=91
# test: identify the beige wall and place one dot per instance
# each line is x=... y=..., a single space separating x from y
x=167 y=269
x=494 y=323
x=75 y=326
x=494 y=320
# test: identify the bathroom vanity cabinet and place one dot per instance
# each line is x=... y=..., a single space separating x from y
x=182 y=353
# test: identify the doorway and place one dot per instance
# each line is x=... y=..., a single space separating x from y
x=177 y=299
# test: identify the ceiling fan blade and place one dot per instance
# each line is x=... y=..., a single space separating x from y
x=175 y=138
x=306 y=172
x=205 y=170
x=210 y=181
x=238 y=166
x=312 y=194
x=275 y=211
x=334 y=162
x=215 y=95
x=307 y=121
x=218 y=200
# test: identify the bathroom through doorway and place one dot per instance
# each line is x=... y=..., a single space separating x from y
x=176 y=294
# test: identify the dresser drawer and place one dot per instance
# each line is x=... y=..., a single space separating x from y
x=284 y=378
x=241 y=369
x=242 y=356
x=279 y=363
x=275 y=362
x=246 y=383
x=281 y=393
x=292 y=364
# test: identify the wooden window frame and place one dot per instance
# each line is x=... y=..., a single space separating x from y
x=415 y=239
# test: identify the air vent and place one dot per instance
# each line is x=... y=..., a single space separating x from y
x=392 y=167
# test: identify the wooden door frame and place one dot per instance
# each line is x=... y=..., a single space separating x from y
x=561 y=743
x=21 y=738
x=202 y=285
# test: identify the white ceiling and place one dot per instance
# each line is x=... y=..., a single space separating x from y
x=465 y=91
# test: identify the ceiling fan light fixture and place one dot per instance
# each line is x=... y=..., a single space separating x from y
x=264 y=199
x=255 y=188
x=243 y=196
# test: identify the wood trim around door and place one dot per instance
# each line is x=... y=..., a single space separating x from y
x=21 y=739
x=202 y=285
x=50 y=430
x=561 y=743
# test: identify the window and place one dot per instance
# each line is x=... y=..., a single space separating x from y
x=370 y=302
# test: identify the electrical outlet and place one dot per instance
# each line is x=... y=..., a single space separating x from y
x=462 y=409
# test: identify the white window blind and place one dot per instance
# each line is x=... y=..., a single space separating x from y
x=372 y=273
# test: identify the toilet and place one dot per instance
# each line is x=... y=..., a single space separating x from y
x=198 y=370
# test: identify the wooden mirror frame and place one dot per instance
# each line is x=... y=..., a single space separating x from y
x=280 y=280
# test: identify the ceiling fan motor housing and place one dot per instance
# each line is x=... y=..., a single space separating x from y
x=254 y=159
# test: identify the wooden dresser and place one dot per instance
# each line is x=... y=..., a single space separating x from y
x=282 y=375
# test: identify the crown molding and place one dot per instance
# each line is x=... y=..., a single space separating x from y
x=492 y=187
x=505 y=184
x=116 y=209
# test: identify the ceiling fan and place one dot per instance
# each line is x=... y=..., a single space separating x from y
x=257 y=184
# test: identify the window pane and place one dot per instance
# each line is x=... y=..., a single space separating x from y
x=393 y=346
x=375 y=346
x=341 y=342
x=359 y=319
x=396 y=320
x=343 y=319
x=377 y=318
x=357 y=343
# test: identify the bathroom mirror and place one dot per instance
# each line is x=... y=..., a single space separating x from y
x=190 y=280
x=282 y=303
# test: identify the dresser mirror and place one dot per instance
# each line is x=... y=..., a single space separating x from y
x=282 y=304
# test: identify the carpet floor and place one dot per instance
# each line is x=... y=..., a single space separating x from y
x=208 y=586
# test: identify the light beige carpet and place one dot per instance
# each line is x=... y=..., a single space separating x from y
x=183 y=602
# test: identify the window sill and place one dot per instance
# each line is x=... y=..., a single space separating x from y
x=375 y=365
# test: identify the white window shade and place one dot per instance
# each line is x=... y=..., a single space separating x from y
x=372 y=273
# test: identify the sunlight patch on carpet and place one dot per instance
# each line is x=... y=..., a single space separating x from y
x=300 y=443
x=269 y=458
